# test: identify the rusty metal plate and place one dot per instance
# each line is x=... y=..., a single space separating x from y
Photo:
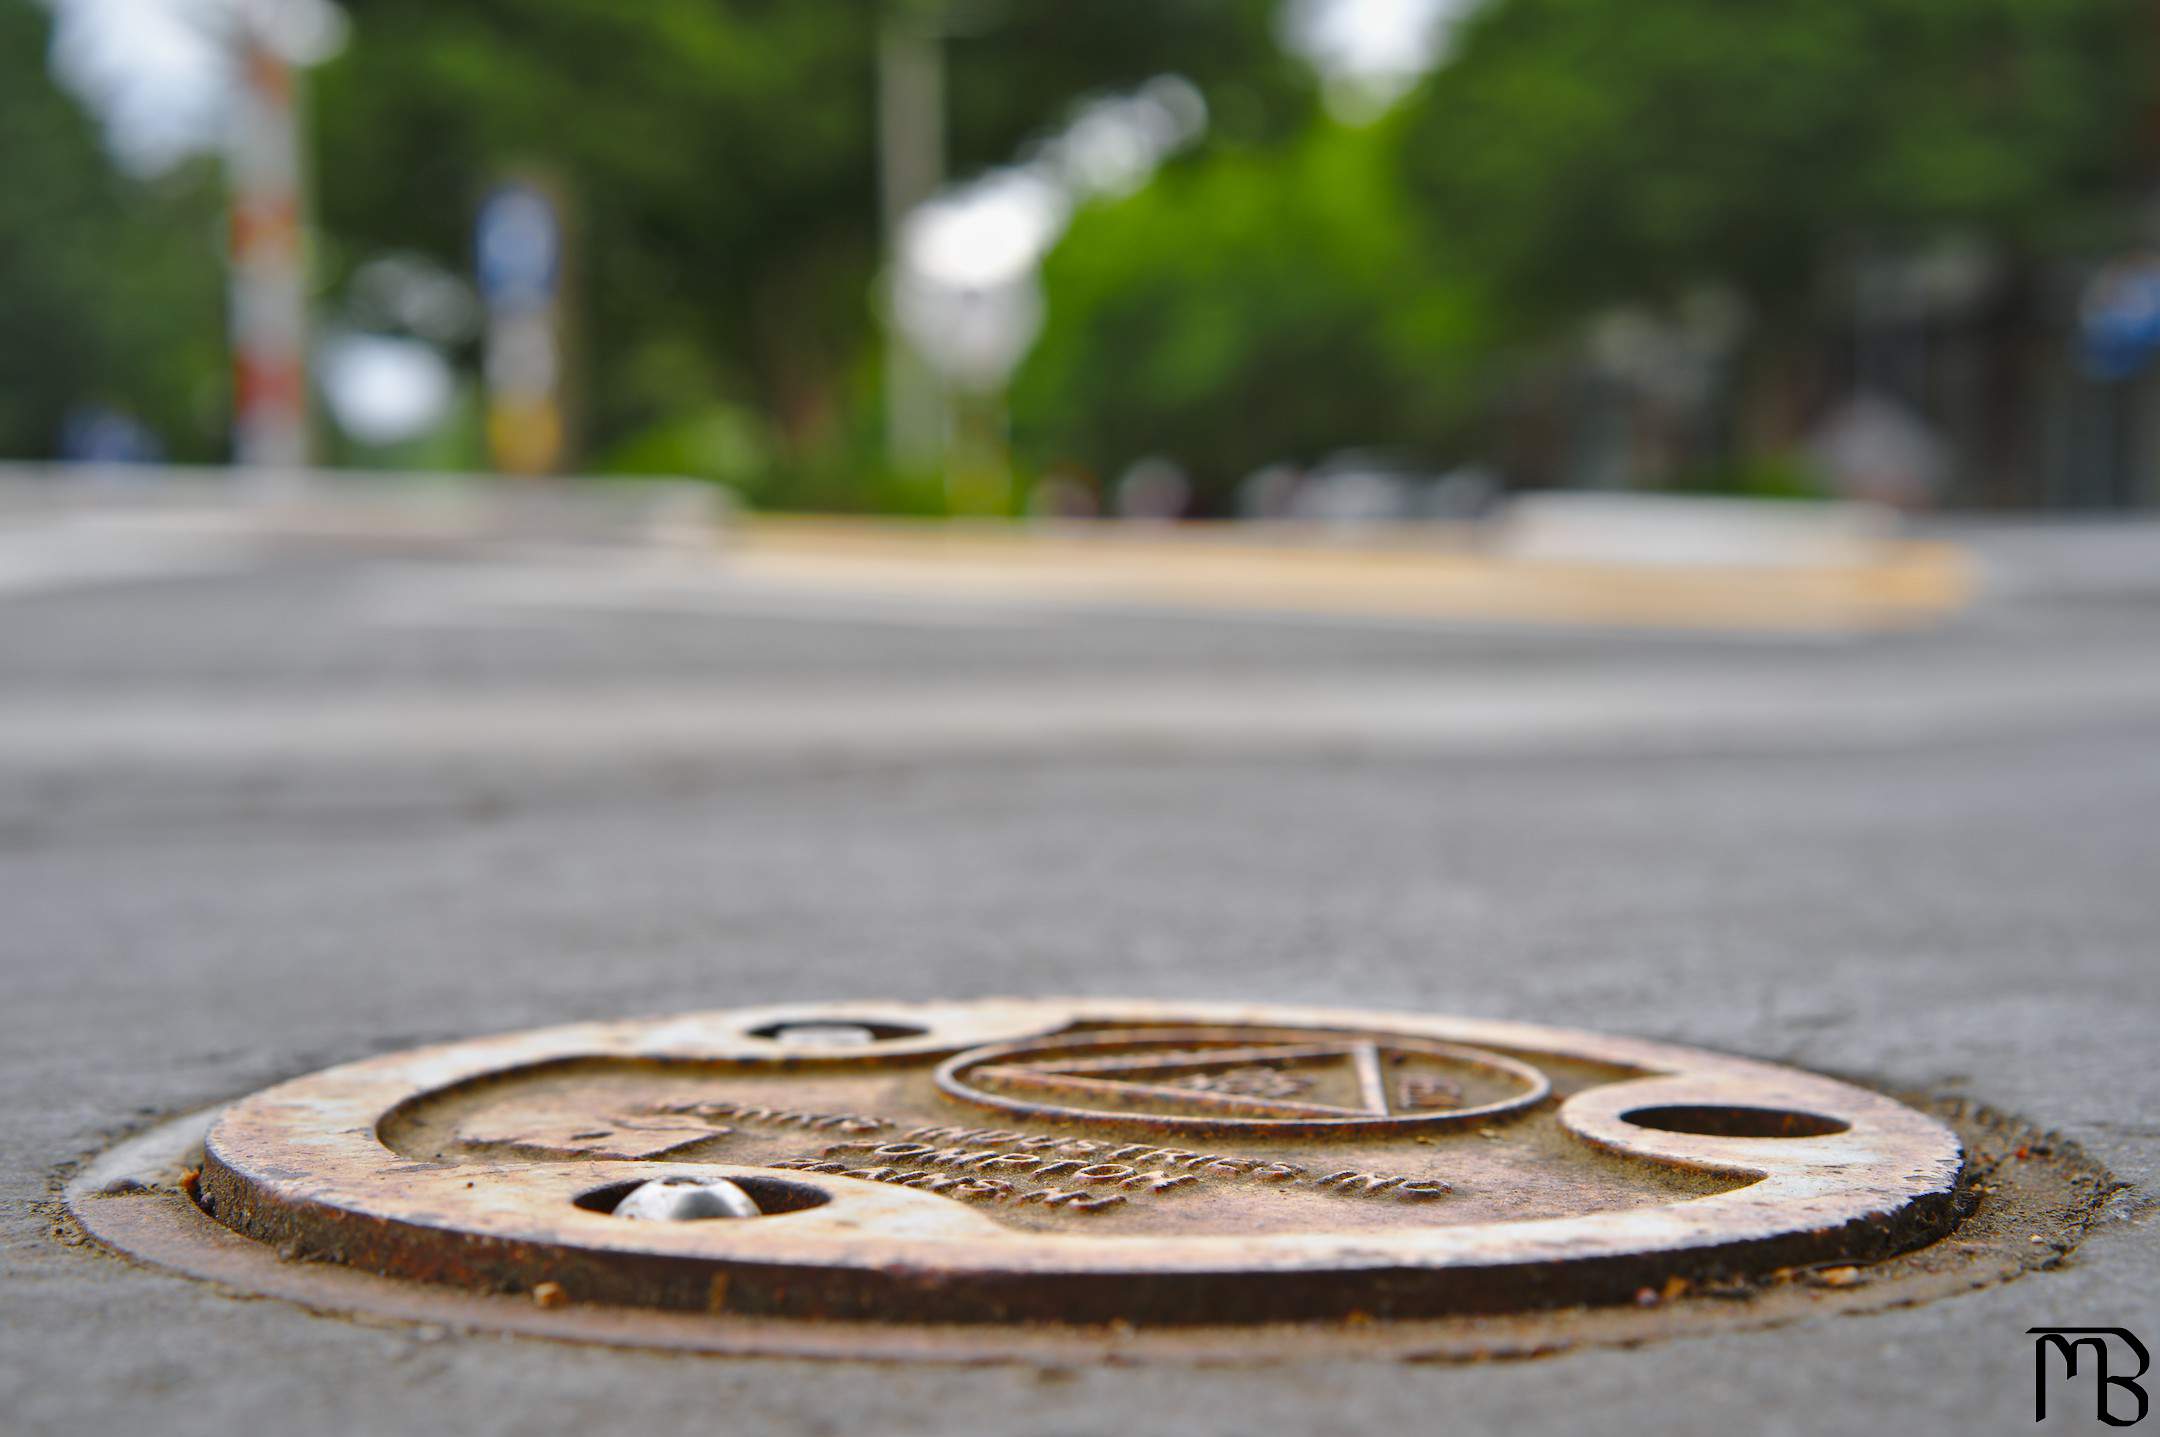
x=1081 y=1161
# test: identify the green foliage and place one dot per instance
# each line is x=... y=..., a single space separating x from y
x=1579 y=152
x=722 y=442
x=1775 y=476
x=1247 y=308
x=1372 y=287
x=110 y=291
x=1015 y=65
x=718 y=158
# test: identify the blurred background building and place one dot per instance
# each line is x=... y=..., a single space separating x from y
x=1328 y=258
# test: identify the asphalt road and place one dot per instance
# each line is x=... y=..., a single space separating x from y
x=269 y=803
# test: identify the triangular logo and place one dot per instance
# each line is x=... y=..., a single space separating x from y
x=1347 y=1079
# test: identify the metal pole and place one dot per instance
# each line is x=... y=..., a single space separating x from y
x=269 y=264
x=911 y=167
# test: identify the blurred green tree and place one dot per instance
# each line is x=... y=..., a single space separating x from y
x=1569 y=156
x=1251 y=306
x=1578 y=153
x=111 y=290
x=719 y=156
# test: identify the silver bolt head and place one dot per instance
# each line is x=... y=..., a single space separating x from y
x=686 y=1200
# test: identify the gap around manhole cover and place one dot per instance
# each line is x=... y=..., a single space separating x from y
x=1055 y=1180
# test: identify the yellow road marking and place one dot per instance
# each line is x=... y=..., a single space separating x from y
x=1394 y=574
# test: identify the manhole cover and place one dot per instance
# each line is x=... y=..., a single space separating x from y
x=1137 y=1165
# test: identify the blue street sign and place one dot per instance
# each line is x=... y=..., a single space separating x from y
x=517 y=245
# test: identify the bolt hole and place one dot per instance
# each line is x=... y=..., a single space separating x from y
x=772 y=1195
x=837 y=1032
x=1724 y=1121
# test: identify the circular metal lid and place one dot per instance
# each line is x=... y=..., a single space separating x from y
x=1077 y=1161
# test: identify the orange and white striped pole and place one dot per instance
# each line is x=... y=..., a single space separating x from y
x=268 y=296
